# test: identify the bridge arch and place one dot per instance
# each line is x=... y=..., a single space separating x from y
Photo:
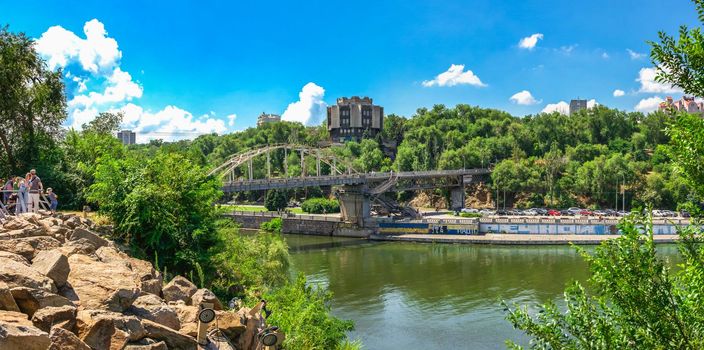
x=337 y=165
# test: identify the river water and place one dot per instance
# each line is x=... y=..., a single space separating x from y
x=434 y=296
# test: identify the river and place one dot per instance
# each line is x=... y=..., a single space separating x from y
x=434 y=296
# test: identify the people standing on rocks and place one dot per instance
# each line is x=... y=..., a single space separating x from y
x=7 y=190
x=35 y=189
x=21 y=204
x=53 y=200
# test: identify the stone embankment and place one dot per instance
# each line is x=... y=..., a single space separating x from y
x=63 y=285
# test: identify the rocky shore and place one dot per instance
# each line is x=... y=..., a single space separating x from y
x=63 y=285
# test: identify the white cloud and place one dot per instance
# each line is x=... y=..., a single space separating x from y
x=648 y=105
x=169 y=124
x=561 y=107
x=524 y=98
x=646 y=77
x=605 y=55
x=231 y=120
x=529 y=42
x=635 y=55
x=101 y=85
x=310 y=108
x=619 y=93
x=592 y=103
x=95 y=53
x=455 y=75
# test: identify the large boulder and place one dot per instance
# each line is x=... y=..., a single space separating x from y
x=150 y=280
x=62 y=339
x=17 y=223
x=102 y=329
x=204 y=295
x=151 y=307
x=171 y=337
x=230 y=323
x=15 y=317
x=100 y=285
x=12 y=256
x=179 y=289
x=53 y=264
x=81 y=233
x=28 y=246
x=48 y=317
x=25 y=337
x=17 y=274
x=30 y=300
x=187 y=317
x=7 y=302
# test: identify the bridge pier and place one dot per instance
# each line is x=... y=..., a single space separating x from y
x=354 y=205
x=457 y=198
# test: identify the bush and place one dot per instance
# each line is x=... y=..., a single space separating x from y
x=320 y=206
x=303 y=313
x=273 y=226
x=276 y=200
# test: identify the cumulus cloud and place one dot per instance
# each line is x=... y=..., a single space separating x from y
x=635 y=55
x=646 y=77
x=561 y=107
x=605 y=55
x=455 y=75
x=92 y=64
x=310 y=109
x=619 y=93
x=169 y=124
x=529 y=42
x=95 y=53
x=648 y=105
x=524 y=98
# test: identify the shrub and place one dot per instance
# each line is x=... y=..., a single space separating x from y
x=303 y=313
x=276 y=200
x=320 y=206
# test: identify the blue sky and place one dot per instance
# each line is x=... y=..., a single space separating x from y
x=180 y=68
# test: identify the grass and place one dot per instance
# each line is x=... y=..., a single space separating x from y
x=93 y=216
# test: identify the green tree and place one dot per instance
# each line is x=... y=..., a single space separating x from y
x=637 y=301
x=32 y=105
x=680 y=62
x=160 y=207
x=276 y=200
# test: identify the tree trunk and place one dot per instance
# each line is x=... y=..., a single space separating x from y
x=6 y=145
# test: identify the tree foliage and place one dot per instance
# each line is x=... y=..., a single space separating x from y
x=637 y=300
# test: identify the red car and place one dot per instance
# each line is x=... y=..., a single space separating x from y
x=553 y=212
x=586 y=212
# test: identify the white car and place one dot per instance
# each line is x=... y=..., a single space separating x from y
x=470 y=210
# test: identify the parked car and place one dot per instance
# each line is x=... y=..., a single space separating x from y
x=502 y=212
x=599 y=213
x=685 y=214
x=541 y=211
x=566 y=212
x=610 y=212
x=487 y=212
x=530 y=212
x=470 y=210
x=574 y=210
x=586 y=212
x=553 y=212
x=622 y=213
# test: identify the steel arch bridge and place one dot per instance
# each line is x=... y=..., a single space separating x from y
x=337 y=165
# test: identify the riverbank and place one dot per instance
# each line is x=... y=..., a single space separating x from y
x=510 y=239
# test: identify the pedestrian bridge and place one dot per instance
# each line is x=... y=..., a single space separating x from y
x=260 y=169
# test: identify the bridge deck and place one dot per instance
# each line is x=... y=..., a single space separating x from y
x=347 y=179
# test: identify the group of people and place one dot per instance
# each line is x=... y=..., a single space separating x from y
x=24 y=193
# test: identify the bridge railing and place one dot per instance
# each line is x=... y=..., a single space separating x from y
x=283 y=214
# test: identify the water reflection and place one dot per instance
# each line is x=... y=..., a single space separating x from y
x=427 y=296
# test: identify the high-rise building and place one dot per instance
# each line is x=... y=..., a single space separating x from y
x=354 y=118
x=685 y=104
x=268 y=118
x=576 y=105
x=128 y=137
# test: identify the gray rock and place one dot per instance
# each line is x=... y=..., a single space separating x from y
x=46 y=318
x=204 y=295
x=179 y=289
x=53 y=264
x=151 y=307
x=81 y=233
